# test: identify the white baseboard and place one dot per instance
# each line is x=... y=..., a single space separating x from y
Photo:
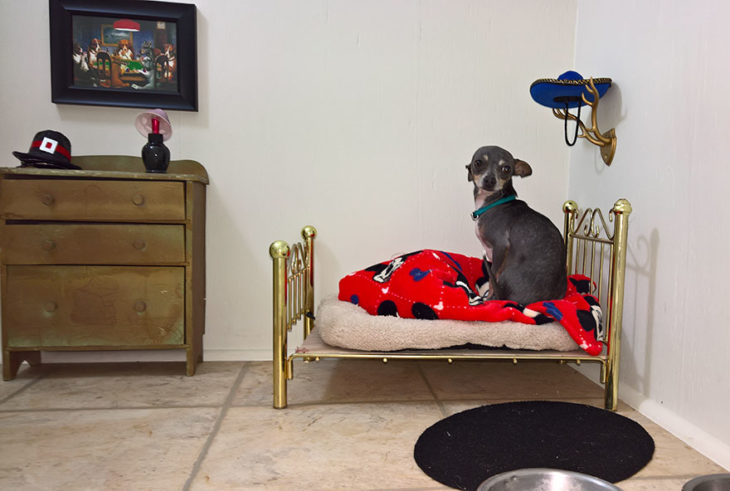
x=237 y=355
x=697 y=438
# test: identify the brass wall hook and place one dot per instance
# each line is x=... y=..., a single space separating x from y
x=571 y=90
x=606 y=141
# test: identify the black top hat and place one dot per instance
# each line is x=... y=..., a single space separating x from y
x=49 y=149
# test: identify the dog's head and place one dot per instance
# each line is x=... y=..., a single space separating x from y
x=491 y=169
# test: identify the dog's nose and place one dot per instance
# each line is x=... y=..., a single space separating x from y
x=489 y=182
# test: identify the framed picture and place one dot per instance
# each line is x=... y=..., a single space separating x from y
x=110 y=36
x=127 y=53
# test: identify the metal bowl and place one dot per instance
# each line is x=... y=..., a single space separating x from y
x=711 y=482
x=545 y=480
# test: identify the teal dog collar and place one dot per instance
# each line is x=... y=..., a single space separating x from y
x=483 y=209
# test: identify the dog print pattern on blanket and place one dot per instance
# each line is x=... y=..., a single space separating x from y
x=431 y=284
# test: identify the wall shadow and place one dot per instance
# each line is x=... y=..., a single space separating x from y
x=641 y=268
x=610 y=115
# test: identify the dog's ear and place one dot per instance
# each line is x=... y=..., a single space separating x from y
x=522 y=168
x=468 y=172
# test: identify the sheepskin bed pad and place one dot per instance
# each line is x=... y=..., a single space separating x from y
x=428 y=300
x=345 y=325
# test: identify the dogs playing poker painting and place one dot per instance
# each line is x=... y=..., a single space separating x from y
x=128 y=53
x=124 y=53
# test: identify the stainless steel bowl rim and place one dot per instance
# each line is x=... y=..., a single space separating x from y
x=692 y=484
x=579 y=477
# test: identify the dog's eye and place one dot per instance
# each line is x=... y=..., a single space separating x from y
x=506 y=169
x=478 y=164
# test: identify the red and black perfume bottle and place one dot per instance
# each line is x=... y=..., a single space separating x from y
x=155 y=155
x=155 y=125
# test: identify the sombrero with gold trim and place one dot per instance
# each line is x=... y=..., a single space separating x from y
x=566 y=90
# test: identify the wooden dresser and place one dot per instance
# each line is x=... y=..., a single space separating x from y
x=104 y=258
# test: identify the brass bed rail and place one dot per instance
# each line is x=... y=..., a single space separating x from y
x=592 y=249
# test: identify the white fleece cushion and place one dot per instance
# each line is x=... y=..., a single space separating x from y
x=346 y=325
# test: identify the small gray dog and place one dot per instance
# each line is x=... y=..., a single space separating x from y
x=524 y=251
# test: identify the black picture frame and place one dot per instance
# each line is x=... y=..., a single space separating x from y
x=180 y=94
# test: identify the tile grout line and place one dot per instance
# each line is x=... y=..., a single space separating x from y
x=21 y=389
x=103 y=408
x=227 y=404
x=439 y=403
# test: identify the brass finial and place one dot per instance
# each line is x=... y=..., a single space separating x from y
x=622 y=206
x=570 y=206
x=309 y=232
x=279 y=249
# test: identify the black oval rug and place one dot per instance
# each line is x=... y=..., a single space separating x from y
x=465 y=449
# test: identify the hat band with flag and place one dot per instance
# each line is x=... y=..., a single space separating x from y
x=51 y=146
x=49 y=149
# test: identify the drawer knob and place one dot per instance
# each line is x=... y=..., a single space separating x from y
x=139 y=244
x=138 y=199
x=140 y=306
x=47 y=199
x=50 y=306
x=48 y=245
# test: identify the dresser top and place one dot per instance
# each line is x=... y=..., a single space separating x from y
x=117 y=167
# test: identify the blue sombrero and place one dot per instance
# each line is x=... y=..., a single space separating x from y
x=566 y=90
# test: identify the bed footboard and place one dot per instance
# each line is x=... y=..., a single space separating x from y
x=293 y=300
x=593 y=249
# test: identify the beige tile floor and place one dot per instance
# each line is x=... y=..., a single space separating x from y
x=350 y=424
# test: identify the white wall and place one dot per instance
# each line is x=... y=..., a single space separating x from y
x=670 y=105
x=356 y=117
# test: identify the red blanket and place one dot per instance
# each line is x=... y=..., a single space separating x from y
x=432 y=284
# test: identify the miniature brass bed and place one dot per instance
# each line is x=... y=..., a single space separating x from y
x=593 y=249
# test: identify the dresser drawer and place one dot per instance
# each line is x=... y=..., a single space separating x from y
x=91 y=200
x=65 y=243
x=93 y=306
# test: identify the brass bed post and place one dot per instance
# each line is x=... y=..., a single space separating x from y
x=621 y=211
x=279 y=252
x=570 y=208
x=308 y=234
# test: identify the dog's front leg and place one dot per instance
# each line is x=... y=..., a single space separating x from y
x=495 y=269
x=489 y=288
x=483 y=282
